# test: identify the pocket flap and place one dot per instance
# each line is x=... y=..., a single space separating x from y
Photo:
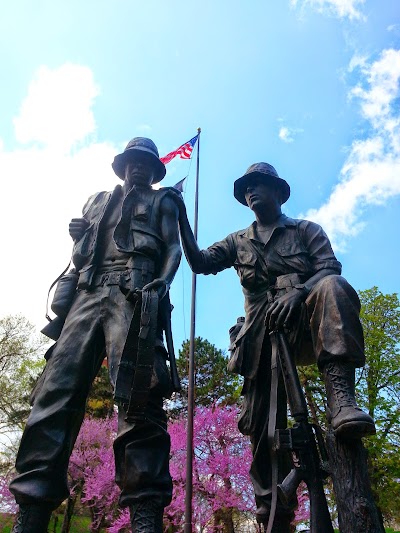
x=246 y=258
x=290 y=248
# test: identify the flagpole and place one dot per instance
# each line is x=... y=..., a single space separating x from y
x=188 y=527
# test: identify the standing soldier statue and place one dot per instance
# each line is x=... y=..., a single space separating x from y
x=126 y=254
x=290 y=278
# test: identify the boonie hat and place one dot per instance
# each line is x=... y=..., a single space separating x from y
x=135 y=147
x=267 y=172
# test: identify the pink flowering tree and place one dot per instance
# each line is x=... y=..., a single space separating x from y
x=223 y=499
x=91 y=471
x=6 y=498
x=222 y=489
x=221 y=486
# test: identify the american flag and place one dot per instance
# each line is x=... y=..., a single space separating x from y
x=184 y=151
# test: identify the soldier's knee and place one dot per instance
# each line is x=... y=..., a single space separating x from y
x=336 y=288
x=334 y=282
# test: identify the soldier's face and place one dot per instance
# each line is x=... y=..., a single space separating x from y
x=261 y=194
x=140 y=171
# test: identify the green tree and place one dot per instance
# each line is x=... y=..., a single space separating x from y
x=21 y=362
x=379 y=392
x=100 y=403
x=213 y=382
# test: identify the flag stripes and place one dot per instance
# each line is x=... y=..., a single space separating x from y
x=184 y=151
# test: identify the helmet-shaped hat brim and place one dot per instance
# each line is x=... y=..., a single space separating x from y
x=130 y=154
x=241 y=184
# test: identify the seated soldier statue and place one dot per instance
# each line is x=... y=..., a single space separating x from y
x=319 y=307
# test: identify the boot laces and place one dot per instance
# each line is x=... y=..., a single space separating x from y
x=20 y=520
x=342 y=388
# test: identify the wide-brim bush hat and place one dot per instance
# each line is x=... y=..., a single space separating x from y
x=265 y=171
x=138 y=147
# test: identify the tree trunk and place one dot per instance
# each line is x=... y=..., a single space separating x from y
x=355 y=504
x=69 y=513
x=228 y=523
x=224 y=517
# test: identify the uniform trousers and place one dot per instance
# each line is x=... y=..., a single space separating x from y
x=97 y=324
x=334 y=335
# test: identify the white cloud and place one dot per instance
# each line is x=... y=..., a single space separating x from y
x=340 y=8
x=357 y=61
x=287 y=134
x=393 y=28
x=144 y=128
x=371 y=173
x=57 y=111
x=45 y=183
x=46 y=180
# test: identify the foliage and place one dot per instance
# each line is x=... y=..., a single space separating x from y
x=314 y=390
x=91 y=470
x=6 y=498
x=223 y=494
x=21 y=362
x=379 y=380
x=222 y=457
x=80 y=524
x=213 y=383
x=100 y=403
x=379 y=392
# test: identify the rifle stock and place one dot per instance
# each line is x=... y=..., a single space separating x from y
x=166 y=309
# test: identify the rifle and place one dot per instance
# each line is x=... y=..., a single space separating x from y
x=165 y=310
x=132 y=386
x=305 y=442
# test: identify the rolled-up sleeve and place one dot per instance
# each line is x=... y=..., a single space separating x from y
x=219 y=256
x=318 y=247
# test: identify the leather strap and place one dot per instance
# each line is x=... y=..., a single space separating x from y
x=136 y=366
x=273 y=407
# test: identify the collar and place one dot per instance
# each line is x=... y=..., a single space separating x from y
x=281 y=222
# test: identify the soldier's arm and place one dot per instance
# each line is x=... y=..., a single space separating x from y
x=215 y=258
x=192 y=252
x=78 y=226
x=172 y=250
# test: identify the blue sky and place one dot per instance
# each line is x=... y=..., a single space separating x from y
x=310 y=86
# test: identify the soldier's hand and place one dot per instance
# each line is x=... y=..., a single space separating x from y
x=159 y=285
x=282 y=310
x=77 y=228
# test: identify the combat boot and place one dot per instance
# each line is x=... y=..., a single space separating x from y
x=348 y=421
x=32 y=519
x=146 y=517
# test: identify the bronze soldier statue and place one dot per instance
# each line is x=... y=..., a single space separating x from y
x=126 y=245
x=317 y=303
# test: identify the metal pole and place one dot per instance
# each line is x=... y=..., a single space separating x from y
x=188 y=527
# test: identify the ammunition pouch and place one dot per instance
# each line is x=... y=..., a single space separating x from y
x=286 y=283
x=64 y=294
x=142 y=272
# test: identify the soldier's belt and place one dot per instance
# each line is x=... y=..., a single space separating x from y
x=111 y=278
x=135 y=370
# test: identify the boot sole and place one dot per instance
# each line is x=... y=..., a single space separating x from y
x=355 y=430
